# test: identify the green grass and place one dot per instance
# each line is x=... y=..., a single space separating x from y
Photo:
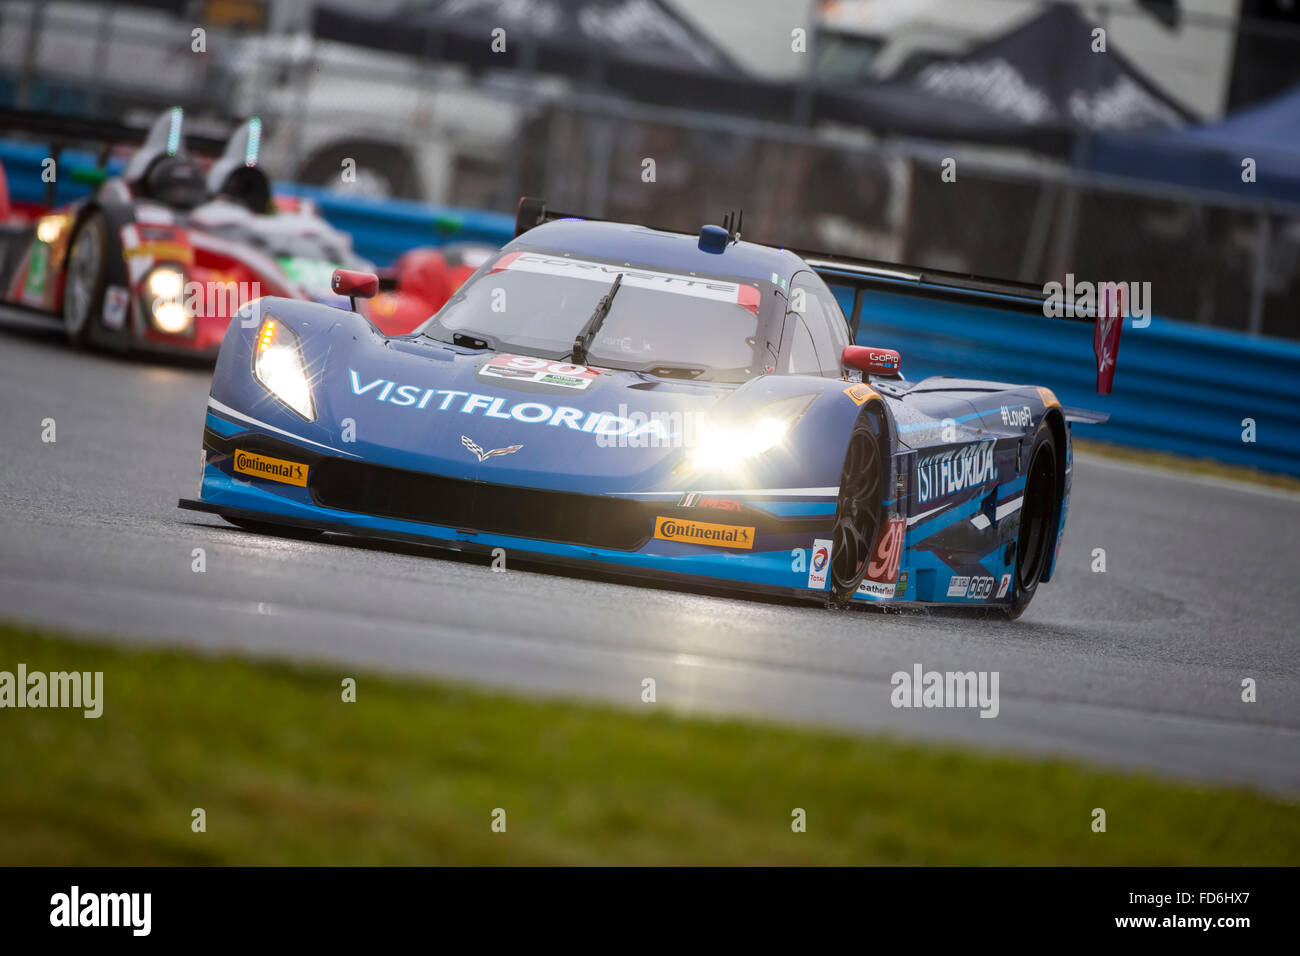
x=410 y=774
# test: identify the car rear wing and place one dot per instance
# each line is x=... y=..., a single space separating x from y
x=864 y=275
x=103 y=135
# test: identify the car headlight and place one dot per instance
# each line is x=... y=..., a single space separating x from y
x=720 y=445
x=49 y=229
x=166 y=308
x=278 y=366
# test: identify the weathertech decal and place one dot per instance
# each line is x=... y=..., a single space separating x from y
x=276 y=469
x=700 y=532
x=720 y=290
x=525 y=368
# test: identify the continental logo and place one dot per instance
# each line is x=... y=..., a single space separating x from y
x=860 y=393
x=701 y=532
x=276 y=469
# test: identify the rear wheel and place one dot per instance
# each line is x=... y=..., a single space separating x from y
x=1039 y=516
x=858 y=510
x=84 y=278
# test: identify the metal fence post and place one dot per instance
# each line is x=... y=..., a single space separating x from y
x=1259 y=276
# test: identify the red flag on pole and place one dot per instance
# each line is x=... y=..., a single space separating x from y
x=1105 y=336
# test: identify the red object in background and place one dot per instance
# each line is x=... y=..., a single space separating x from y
x=1105 y=335
x=872 y=360
x=425 y=280
x=5 y=212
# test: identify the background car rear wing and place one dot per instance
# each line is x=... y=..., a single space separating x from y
x=863 y=275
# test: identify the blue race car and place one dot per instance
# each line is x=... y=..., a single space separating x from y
x=685 y=408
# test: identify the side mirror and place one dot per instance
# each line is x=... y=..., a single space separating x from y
x=871 y=360
x=355 y=285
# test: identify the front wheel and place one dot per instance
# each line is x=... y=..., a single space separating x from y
x=84 y=278
x=859 y=509
x=1040 y=513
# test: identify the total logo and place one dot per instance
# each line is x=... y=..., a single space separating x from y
x=1017 y=417
x=821 y=561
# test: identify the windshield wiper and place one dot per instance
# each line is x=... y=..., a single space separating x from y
x=582 y=342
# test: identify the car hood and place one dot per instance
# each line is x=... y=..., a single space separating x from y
x=419 y=404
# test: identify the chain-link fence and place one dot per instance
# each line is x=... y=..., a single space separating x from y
x=1212 y=260
x=428 y=130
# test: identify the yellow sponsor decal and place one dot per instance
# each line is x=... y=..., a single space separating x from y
x=1049 y=397
x=860 y=393
x=701 y=532
x=276 y=469
x=162 y=249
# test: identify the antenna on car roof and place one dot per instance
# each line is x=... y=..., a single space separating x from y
x=732 y=223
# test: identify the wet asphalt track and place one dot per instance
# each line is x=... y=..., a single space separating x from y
x=1139 y=667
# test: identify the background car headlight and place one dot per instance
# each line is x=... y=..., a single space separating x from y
x=727 y=445
x=278 y=366
x=165 y=301
x=170 y=317
x=166 y=283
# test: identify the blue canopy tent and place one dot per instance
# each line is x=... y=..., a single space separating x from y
x=1210 y=156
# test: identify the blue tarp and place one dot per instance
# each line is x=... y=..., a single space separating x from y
x=1210 y=156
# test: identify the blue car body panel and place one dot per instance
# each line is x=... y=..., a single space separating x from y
x=571 y=476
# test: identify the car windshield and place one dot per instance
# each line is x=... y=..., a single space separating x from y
x=663 y=322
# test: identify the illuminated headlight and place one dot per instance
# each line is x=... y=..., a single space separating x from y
x=729 y=445
x=49 y=228
x=170 y=317
x=165 y=300
x=166 y=283
x=278 y=366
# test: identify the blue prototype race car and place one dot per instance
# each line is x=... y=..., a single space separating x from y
x=687 y=408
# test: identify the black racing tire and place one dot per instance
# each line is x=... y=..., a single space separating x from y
x=1040 y=516
x=860 y=507
x=84 y=278
x=279 y=530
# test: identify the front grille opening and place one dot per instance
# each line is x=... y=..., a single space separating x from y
x=590 y=520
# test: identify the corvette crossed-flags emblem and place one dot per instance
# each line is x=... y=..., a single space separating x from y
x=473 y=446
